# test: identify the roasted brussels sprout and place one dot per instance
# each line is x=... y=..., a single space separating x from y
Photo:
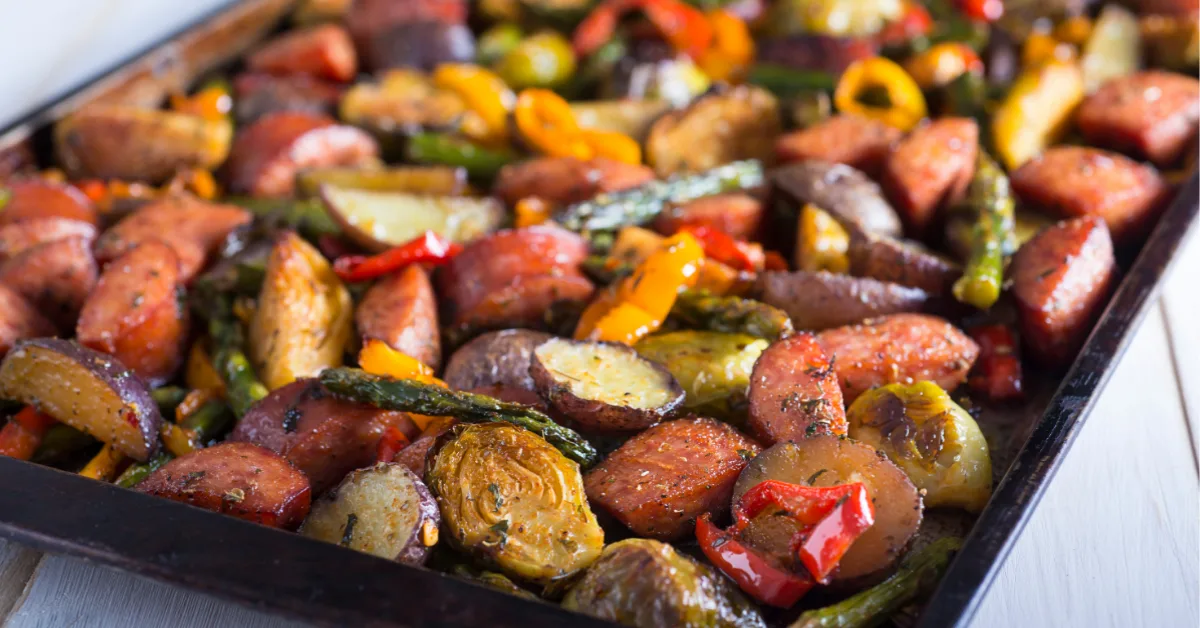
x=640 y=582
x=931 y=438
x=712 y=367
x=513 y=501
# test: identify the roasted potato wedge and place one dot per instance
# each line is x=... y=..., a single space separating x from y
x=384 y=510
x=741 y=123
x=846 y=193
x=431 y=180
x=821 y=300
x=304 y=317
x=713 y=368
x=85 y=389
x=497 y=364
x=403 y=100
x=604 y=386
x=381 y=220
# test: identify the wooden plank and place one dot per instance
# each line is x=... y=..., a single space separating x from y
x=17 y=566
x=1180 y=303
x=1117 y=527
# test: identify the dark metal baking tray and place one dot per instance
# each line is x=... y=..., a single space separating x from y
x=285 y=573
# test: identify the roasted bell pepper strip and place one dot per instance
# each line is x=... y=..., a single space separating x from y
x=428 y=248
x=1036 y=111
x=997 y=372
x=545 y=121
x=390 y=444
x=378 y=358
x=914 y=22
x=732 y=50
x=532 y=211
x=212 y=102
x=942 y=63
x=23 y=433
x=612 y=145
x=487 y=97
x=758 y=577
x=833 y=517
x=982 y=10
x=103 y=466
x=906 y=104
x=683 y=26
x=772 y=260
x=719 y=246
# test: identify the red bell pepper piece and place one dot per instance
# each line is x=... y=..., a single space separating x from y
x=982 y=10
x=683 y=26
x=758 y=577
x=997 y=372
x=914 y=22
x=721 y=247
x=390 y=444
x=429 y=248
x=23 y=433
x=772 y=260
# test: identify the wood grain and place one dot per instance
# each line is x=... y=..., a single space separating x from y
x=17 y=566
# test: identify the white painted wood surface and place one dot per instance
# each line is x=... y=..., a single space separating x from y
x=1114 y=542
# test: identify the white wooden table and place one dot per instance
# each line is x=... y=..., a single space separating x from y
x=1113 y=543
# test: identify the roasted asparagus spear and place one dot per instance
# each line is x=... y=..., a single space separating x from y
x=991 y=238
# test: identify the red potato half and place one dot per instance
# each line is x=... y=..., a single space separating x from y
x=379 y=220
x=326 y=437
x=659 y=481
x=267 y=154
x=843 y=139
x=19 y=320
x=239 y=479
x=794 y=392
x=930 y=169
x=495 y=359
x=833 y=460
x=38 y=198
x=900 y=348
x=325 y=51
x=604 y=386
x=85 y=389
x=384 y=510
x=1151 y=114
x=845 y=192
x=1061 y=281
x=136 y=314
x=18 y=237
x=401 y=310
x=55 y=276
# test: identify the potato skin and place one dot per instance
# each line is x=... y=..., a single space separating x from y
x=901 y=262
x=19 y=320
x=1119 y=115
x=794 y=392
x=136 y=314
x=929 y=169
x=18 y=237
x=562 y=181
x=325 y=51
x=324 y=436
x=1074 y=181
x=401 y=310
x=55 y=276
x=659 y=481
x=735 y=213
x=267 y=154
x=498 y=358
x=239 y=479
x=1061 y=281
x=848 y=139
x=741 y=123
x=821 y=300
x=899 y=348
x=37 y=198
x=845 y=192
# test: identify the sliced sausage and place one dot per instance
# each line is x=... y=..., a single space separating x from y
x=256 y=95
x=929 y=169
x=741 y=123
x=900 y=348
x=562 y=181
x=56 y=277
x=194 y=228
x=324 y=51
x=135 y=313
x=326 y=437
x=735 y=213
x=822 y=300
x=17 y=237
x=38 y=198
x=413 y=456
x=1150 y=114
x=843 y=139
x=1061 y=281
x=852 y=197
x=267 y=154
x=19 y=320
x=510 y=278
x=821 y=53
x=900 y=262
x=421 y=45
x=496 y=360
x=794 y=392
x=1073 y=181
x=401 y=310
x=659 y=481
x=370 y=15
x=239 y=479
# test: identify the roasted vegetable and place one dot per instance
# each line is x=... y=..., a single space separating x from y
x=422 y=44
x=846 y=193
x=700 y=310
x=713 y=368
x=1113 y=49
x=991 y=238
x=830 y=461
x=304 y=317
x=383 y=510
x=413 y=396
x=933 y=439
x=481 y=162
x=378 y=220
x=403 y=100
x=497 y=364
x=241 y=385
x=541 y=60
x=85 y=389
x=815 y=301
x=821 y=243
x=740 y=124
x=431 y=180
x=833 y=17
x=646 y=583
x=514 y=502
x=1036 y=111
x=629 y=117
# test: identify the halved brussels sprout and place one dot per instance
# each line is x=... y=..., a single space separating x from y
x=513 y=501
x=931 y=438
x=712 y=367
x=642 y=582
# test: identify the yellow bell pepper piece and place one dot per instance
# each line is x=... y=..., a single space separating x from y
x=531 y=211
x=103 y=466
x=732 y=50
x=199 y=374
x=546 y=122
x=821 y=242
x=1036 y=111
x=906 y=104
x=655 y=283
x=487 y=97
x=378 y=358
x=626 y=323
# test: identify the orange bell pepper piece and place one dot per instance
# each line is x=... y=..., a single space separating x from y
x=626 y=323
x=23 y=433
x=546 y=122
x=531 y=211
x=658 y=280
x=612 y=145
x=601 y=304
x=199 y=373
x=487 y=97
x=103 y=466
x=378 y=358
x=732 y=50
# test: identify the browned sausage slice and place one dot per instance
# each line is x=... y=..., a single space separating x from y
x=325 y=51
x=844 y=139
x=17 y=237
x=1061 y=280
x=239 y=479
x=901 y=262
x=794 y=392
x=565 y=180
x=401 y=310
x=257 y=94
x=56 y=277
x=267 y=154
x=929 y=169
x=901 y=348
x=37 y=198
x=1073 y=181
x=659 y=481
x=19 y=320
x=734 y=213
x=1150 y=114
